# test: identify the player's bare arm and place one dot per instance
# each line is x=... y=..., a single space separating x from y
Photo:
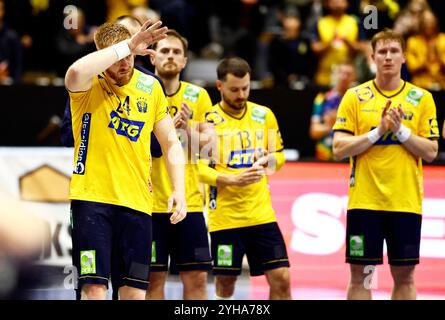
x=348 y=145
x=80 y=74
x=419 y=146
x=171 y=147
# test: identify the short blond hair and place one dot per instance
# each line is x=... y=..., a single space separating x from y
x=388 y=34
x=110 y=33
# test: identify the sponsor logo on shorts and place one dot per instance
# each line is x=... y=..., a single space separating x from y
x=125 y=127
x=145 y=83
x=259 y=115
x=79 y=167
x=153 y=252
x=414 y=96
x=191 y=93
x=87 y=262
x=225 y=255
x=356 y=246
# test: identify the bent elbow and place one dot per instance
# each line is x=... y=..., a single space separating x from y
x=72 y=77
x=337 y=152
x=431 y=156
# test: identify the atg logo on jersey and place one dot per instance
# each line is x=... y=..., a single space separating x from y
x=125 y=127
x=241 y=159
x=83 y=148
x=387 y=139
x=364 y=94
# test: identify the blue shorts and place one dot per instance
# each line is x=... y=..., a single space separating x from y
x=110 y=240
x=186 y=243
x=263 y=244
x=366 y=230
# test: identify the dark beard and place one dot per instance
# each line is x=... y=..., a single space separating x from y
x=168 y=75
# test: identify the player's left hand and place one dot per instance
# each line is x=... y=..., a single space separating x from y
x=261 y=158
x=181 y=118
x=395 y=117
x=180 y=212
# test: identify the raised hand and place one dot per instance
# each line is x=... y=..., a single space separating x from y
x=148 y=34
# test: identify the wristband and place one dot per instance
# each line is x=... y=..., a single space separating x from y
x=404 y=133
x=373 y=135
x=122 y=49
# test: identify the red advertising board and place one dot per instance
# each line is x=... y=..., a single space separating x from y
x=310 y=201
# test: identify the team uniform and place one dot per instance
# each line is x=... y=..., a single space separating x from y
x=324 y=102
x=186 y=242
x=111 y=186
x=386 y=181
x=241 y=219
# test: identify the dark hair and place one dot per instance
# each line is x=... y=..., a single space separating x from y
x=388 y=34
x=172 y=33
x=236 y=66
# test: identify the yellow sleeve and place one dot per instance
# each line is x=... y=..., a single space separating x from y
x=162 y=103
x=428 y=126
x=280 y=160
x=274 y=139
x=346 y=113
x=415 y=56
x=207 y=174
x=204 y=105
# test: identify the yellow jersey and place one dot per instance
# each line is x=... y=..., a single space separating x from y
x=199 y=102
x=232 y=207
x=387 y=176
x=112 y=126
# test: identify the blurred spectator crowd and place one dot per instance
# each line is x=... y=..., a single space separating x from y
x=289 y=43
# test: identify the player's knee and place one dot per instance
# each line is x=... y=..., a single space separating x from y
x=196 y=280
x=403 y=275
x=225 y=285
x=279 y=279
x=157 y=279
x=94 y=292
x=358 y=275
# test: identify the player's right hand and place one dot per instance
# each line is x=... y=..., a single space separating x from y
x=251 y=175
x=180 y=209
x=384 y=123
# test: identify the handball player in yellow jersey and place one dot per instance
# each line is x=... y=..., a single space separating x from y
x=387 y=126
x=241 y=218
x=187 y=242
x=114 y=109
